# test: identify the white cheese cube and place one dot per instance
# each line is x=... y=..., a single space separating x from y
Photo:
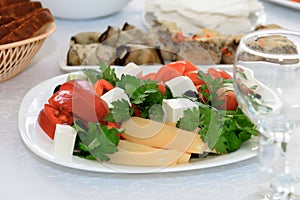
x=114 y=95
x=130 y=69
x=180 y=85
x=174 y=108
x=64 y=140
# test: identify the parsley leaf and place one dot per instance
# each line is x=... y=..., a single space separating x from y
x=120 y=111
x=144 y=94
x=97 y=139
x=224 y=131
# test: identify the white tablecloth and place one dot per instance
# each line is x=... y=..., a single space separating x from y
x=23 y=175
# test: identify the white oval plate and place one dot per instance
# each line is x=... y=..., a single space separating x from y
x=39 y=143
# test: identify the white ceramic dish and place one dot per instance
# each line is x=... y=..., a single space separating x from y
x=286 y=3
x=39 y=143
x=87 y=9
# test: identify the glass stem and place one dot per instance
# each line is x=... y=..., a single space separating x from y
x=274 y=162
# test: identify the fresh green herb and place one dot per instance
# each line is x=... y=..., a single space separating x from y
x=120 y=111
x=97 y=139
x=190 y=121
x=92 y=75
x=224 y=131
x=210 y=89
x=144 y=94
x=108 y=73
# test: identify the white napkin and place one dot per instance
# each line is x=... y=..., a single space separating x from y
x=226 y=16
x=221 y=7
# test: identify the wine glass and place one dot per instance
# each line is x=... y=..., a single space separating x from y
x=267 y=84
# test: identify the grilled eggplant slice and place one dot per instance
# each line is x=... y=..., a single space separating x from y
x=85 y=38
x=90 y=54
x=139 y=54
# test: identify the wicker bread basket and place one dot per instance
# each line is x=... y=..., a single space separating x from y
x=15 y=56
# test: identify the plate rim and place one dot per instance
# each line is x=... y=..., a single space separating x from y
x=78 y=163
x=286 y=3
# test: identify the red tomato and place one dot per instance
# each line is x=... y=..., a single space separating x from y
x=189 y=66
x=49 y=117
x=179 y=66
x=161 y=87
x=230 y=102
x=194 y=76
x=102 y=86
x=150 y=76
x=218 y=73
x=166 y=73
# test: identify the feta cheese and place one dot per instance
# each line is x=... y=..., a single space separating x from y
x=64 y=140
x=174 y=108
x=114 y=95
x=180 y=85
x=130 y=69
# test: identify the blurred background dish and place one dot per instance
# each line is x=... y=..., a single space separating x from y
x=286 y=3
x=87 y=9
x=227 y=17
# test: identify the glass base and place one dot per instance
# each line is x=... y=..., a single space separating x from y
x=266 y=195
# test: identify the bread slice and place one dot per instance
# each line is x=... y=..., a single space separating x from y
x=18 y=10
x=32 y=26
x=10 y=2
x=6 y=19
x=11 y=26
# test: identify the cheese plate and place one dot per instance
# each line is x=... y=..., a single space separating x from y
x=39 y=143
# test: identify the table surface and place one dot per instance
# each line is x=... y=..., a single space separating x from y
x=27 y=176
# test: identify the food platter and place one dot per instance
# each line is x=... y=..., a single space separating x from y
x=286 y=3
x=39 y=143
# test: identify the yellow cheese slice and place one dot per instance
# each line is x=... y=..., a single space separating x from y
x=157 y=134
x=185 y=158
x=133 y=154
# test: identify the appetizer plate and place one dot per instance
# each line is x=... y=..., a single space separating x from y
x=286 y=3
x=39 y=143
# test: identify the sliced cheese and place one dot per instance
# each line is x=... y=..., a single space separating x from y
x=156 y=134
x=185 y=158
x=133 y=154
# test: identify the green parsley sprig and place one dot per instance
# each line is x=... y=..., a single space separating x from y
x=96 y=141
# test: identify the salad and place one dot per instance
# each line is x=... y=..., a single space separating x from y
x=166 y=118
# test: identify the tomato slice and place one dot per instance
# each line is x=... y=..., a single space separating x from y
x=230 y=101
x=218 y=73
x=189 y=66
x=179 y=66
x=50 y=116
x=150 y=76
x=194 y=76
x=101 y=86
x=166 y=73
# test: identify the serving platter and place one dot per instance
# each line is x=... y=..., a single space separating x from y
x=40 y=144
x=286 y=3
